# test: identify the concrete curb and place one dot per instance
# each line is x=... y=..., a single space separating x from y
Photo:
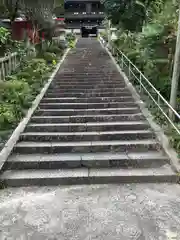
x=162 y=138
x=6 y=151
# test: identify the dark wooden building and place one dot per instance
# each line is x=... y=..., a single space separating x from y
x=80 y=13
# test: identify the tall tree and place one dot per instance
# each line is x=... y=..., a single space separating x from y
x=130 y=14
x=9 y=9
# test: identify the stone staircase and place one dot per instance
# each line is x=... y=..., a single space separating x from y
x=88 y=129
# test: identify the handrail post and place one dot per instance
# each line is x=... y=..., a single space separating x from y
x=140 y=80
x=129 y=71
x=113 y=51
x=159 y=102
x=122 y=62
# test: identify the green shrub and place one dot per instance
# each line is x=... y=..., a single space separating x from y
x=54 y=49
x=49 y=57
x=152 y=51
x=23 y=75
x=15 y=92
x=8 y=116
x=11 y=78
x=36 y=68
x=70 y=37
x=71 y=44
x=60 y=46
x=15 y=98
x=19 y=89
x=36 y=61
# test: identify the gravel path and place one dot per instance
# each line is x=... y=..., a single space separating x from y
x=106 y=212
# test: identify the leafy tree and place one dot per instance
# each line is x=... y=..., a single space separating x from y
x=9 y=9
x=129 y=14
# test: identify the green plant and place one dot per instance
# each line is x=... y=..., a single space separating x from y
x=37 y=67
x=4 y=36
x=20 y=48
x=15 y=92
x=35 y=74
x=54 y=49
x=5 y=40
x=36 y=61
x=19 y=89
x=71 y=44
x=151 y=48
x=49 y=57
x=23 y=75
x=70 y=37
x=8 y=116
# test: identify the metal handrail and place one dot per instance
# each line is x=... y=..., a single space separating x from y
x=140 y=79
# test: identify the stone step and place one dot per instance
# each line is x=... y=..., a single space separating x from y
x=86 y=77
x=18 y=178
x=87 y=127
x=94 y=75
x=84 y=84
x=82 y=90
x=91 y=160
x=88 y=100
x=87 y=147
x=87 y=118
x=74 y=112
x=87 y=105
x=87 y=85
x=79 y=87
x=86 y=136
x=61 y=94
x=88 y=81
x=83 y=69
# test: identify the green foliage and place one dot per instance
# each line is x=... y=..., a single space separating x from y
x=20 y=48
x=23 y=75
x=54 y=49
x=70 y=37
x=71 y=44
x=129 y=14
x=15 y=96
x=9 y=9
x=18 y=91
x=152 y=51
x=5 y=40
x=34 y=73
x=104 y=36
x=49 y=57
x=174 y=139
x=7 y=45
x=15 y=92
x=4 y=36
x=8 y=117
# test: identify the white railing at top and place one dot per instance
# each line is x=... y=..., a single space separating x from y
x=142 y=80
x=8 y=64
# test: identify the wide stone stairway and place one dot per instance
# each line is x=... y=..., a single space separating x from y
x=88 y=129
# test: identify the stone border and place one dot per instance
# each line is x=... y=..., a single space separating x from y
x=7 y=149
x=162 y=138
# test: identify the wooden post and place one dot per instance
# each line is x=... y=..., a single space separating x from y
x=10 y=65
